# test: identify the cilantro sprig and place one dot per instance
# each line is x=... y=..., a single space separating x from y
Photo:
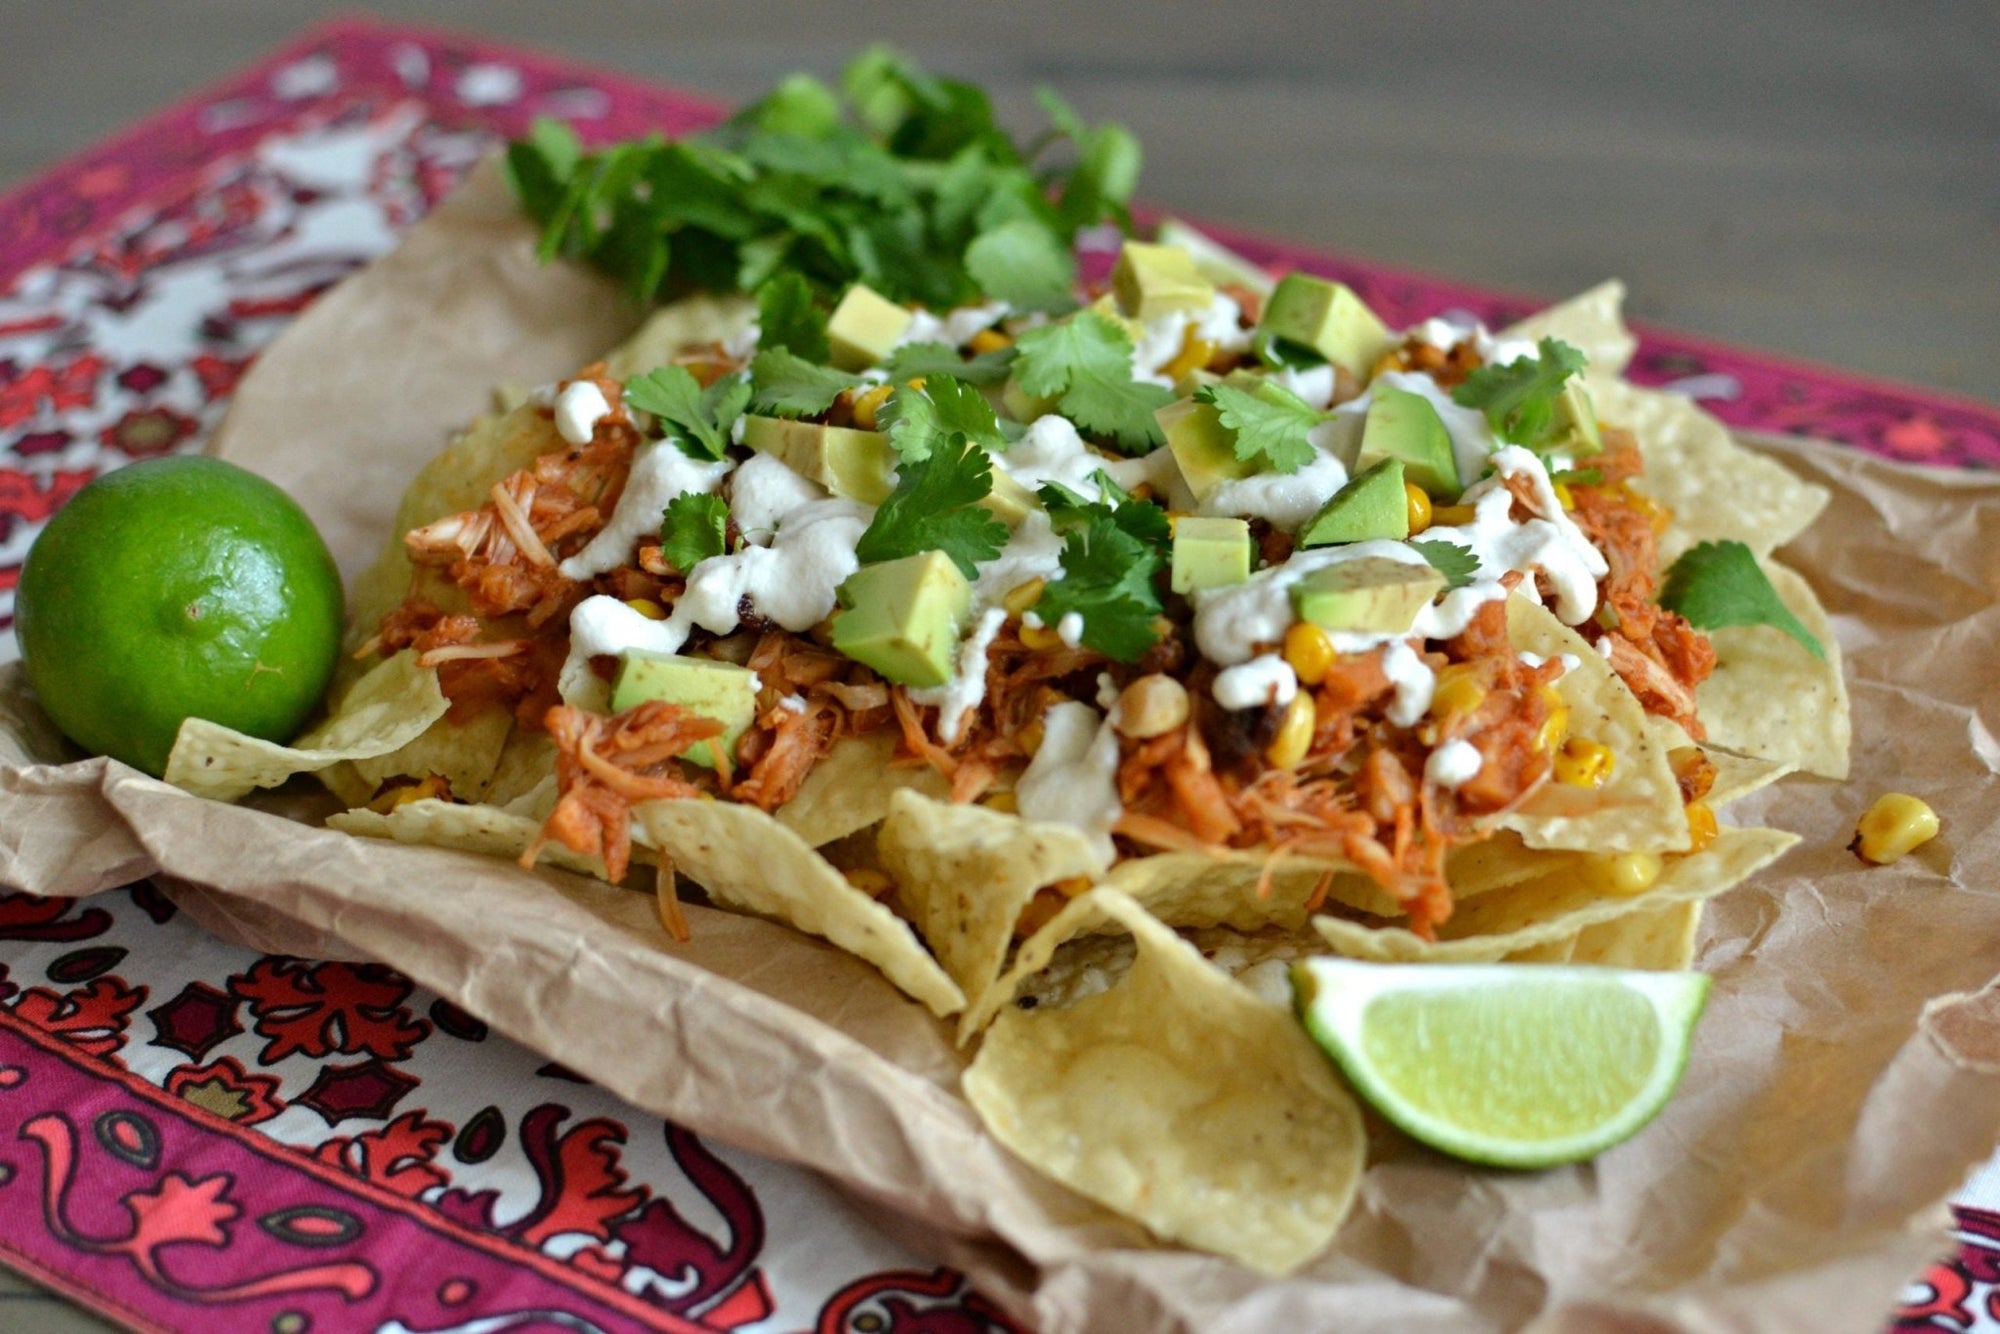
x=1112 y=549
x=899 y=179
x=913 y=361
x=789 y=316
x=1719 y=584
x=693 y=527
x=1271 y=422
x=935 y=507
x=1457 y=564
x=787 y=385
x=1519 y=398
x=695 y=419
x=1085 y=364
x=918 y=420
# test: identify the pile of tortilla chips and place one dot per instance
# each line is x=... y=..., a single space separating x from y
x=1138 y=1046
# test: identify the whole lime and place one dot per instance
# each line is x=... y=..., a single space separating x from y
x=178 y=588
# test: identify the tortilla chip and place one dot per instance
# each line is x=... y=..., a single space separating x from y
x=525 y=769
x=1661 y=939
x=851 y=788
x=382 y=712
x=1715 y=488
x=1195 y=889
x=964 y=874
x=749 y=862
x=1737 y=776
x=1592 y=322
x=1770 y=698
x=465 y=754
x=1639 y=808
x=1180 y=1100
x=1558 y=905
x=688 y=323
x=483 y=829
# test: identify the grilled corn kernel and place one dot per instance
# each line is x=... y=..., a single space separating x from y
x=869 y=881
x=1701 y=825
x=1896 y=824
x=1563 y=496
x=1029 y=738
x=1040 y=638
x=1152 y=706
x=1419 y=502
x=1458 y=692
x=1023 y=596
x=1555 y=729
x=989 y=340
x=1451 y=516
x=1309 y=651
x=1627 y=873
x=1005 y=802
x=1295 y=733
x=870 y=403
x=1194 y=354
x=647 y=608
x=1584 y=763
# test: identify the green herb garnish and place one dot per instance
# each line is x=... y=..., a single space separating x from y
x=1519 y=398
x=790 y=316
x=1108 y=581
x=696 y=420
x=918 y=420
x=693 y=527
x=1272 y=423
x=914 y=360
x=790 y=386
x=1456 y=563
x=1085 y=363
x=935 y=508
x=1720 y=584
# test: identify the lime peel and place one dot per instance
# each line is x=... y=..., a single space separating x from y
x=1511 y=1065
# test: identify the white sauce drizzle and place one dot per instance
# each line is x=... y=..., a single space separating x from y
x=1285 y=500
x=579 y=407
x=957 y=698
x=659 y=473
x=1219 y=324
x=1072 y=779
x=1268 y=680
x=1413 y=679
x=1454 y=764
x=1314 y=384
x=763 y=492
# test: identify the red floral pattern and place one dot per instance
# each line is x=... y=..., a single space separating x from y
x=316 y=1009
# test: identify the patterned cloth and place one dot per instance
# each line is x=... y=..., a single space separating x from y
x=191 y=1132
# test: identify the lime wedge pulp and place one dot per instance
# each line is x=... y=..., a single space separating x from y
x=1515 y=1065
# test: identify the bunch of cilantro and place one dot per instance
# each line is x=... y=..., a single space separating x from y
x=900 y=180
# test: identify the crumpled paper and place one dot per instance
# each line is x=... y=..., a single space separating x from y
x=1845 y=1079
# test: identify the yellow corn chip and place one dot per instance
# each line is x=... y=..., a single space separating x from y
x=851 y=789
x=1770 y=698
x=1592 y=322
x=484 y=829
x=1180 y=1100
x=1661 y=939
x=382 y=712
x=688 y=323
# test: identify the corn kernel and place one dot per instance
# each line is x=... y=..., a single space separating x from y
x=1023 y=596
x=989 y=340
x=869 y=404
x=647 y=608
x=1040 y=638
x=1555 y=729
x=1895 y=825
x=1452 y=516
x=1656 y=514
x=1701 y=825
x=1005 y=802
x=869 y=881
x=1419 y=502
x=1194 y=354
x=1309 y=651
x=1458 y=692
x=1295 y=733
x=1029 y=738
x=1625 y=874
x=1563 y=496
x=1073 y=886
x=1584 y=763
x=1151 y=706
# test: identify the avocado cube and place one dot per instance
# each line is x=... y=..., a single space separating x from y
x=1574 y=430
x=1328 y=318
x=1023 y=406
x=1213 y=260
x=1009 y=501
x=1371 y=505
x=704 y=687
x=864 y=328
x=1403 y=425
x=1201 y=445
x=904 y=617
x=1156 y=280
x=1376 y=595
x=1210 y=553
x=847 y=462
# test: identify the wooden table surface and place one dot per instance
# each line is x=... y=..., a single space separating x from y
x=1822 y=179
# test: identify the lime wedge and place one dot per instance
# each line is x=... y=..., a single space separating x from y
x=1516 y=1065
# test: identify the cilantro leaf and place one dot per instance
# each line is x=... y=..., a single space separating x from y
x=540 y=165
x=789 y=316
x=1272 y=421
x=1085 y=363
x=697 y=420
x=1519 y=398
x=1720 y=584
x=935 y=508
x=1456 y=563
x=1279 y=354
x=693 y=527
x=788 y=385
x=913 y=361
x=1107 y=581
x=1139 y=519
x=919 y=420
x=1025 y=263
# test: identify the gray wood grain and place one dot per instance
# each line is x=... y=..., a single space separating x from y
x=1819 y=179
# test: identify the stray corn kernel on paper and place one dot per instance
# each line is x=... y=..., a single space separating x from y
x=1786 y=1155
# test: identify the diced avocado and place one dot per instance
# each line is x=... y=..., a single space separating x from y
x=710 y=689
x=864 y=328
x=1213 y=260
x=1201 y=446
x=1107 y=306
x=1328 y=318
x=1009 y=501
x=1023 y=406
x=1574 y=430
x=1403 y=425
x=1376 y=595
x=1210 y=553
x=904 y=617
x=1371 y=505
x=1156 y=280
x=847 y=462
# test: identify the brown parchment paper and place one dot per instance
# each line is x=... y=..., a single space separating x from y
x=1845 y=1079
